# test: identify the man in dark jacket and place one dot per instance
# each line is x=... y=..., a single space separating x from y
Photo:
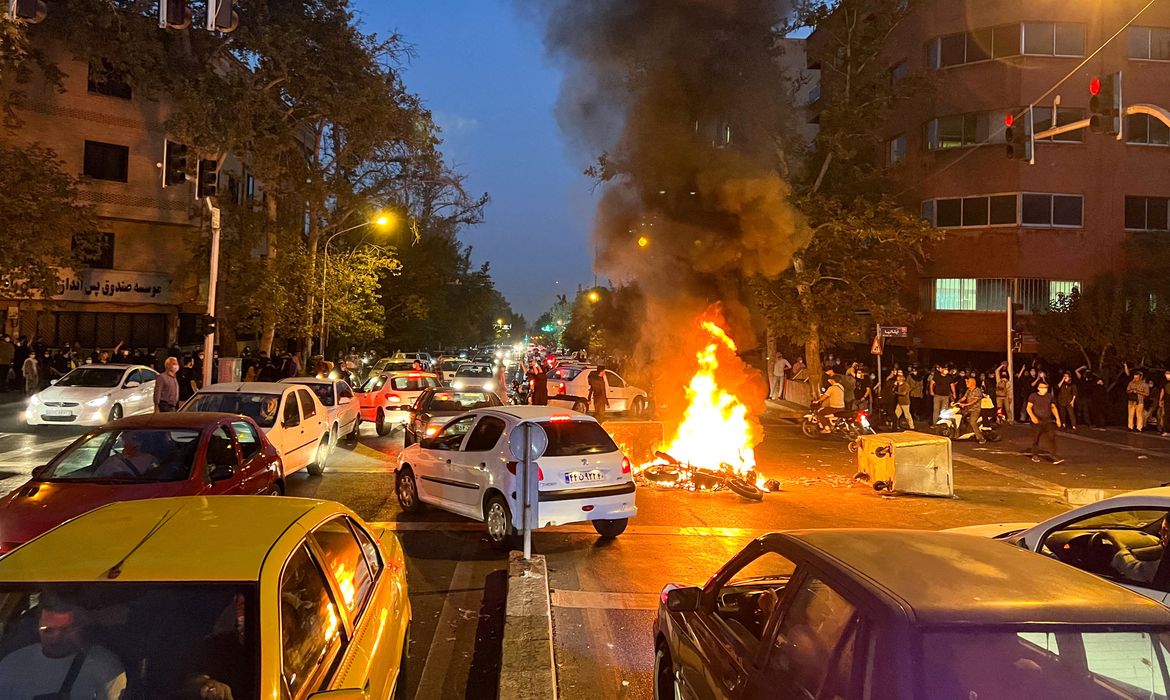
x=597 y=397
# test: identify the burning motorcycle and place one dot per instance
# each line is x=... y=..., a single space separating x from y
x=851 y=426
x=952 y=424
x=669 y=472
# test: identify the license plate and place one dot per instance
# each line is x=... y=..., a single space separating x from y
x=58 y=412
x=581 y=477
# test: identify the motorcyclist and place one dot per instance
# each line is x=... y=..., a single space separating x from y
x=830 y=403
x=970 y=406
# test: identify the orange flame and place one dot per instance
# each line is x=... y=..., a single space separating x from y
x=716 y=428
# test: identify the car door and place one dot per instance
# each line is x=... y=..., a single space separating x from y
x=313 y=419
x=343 y=398
x=294 y=446
x=471 y=467
x=312 y=637
x=221 y=463
x=615 y=391
x=1125 y=544
x=434 y=478
x=147 y=381
x=726 y=640
x=255 y=477
x=131 y=393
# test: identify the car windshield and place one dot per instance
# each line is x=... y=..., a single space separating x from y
x=566 y=373
x=476 y=371
x=412 y=383
x=1120 y=520
x=210 y=635
x=323 y=391
x=139 y=455
x=259 y=407
x=399 y=366
x=103 y=377
x=567 y=438
x=1050 y=664
x=450 y=365
x=462 y=401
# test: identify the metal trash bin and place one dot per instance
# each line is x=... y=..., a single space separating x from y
x=908 y=462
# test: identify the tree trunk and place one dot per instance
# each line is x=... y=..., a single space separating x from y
x=812 y=358
x=267 y=316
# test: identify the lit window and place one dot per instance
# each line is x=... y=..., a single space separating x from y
x=896 y=150
x=954 y=294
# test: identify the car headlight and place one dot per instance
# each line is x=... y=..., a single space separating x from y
x=457 y=386
x=33 y=401
x=489 y=386
x=99 y=401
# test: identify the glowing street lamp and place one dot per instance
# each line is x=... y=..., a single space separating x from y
x=383 y=221
x=594 y=296
x=643 y=242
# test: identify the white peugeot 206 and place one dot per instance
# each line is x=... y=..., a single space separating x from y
x=467 y=468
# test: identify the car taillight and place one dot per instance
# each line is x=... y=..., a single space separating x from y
x=561 y=388
x=625 y=465
x=393 y=398
x=513 y=466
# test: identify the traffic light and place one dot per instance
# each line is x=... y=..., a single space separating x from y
x=174 y=163
x=1105 y=104
x=207 y=178
x=174 y=14
x=221 y=16
x=1018 y=136
x=31 y=11
x=207 y=324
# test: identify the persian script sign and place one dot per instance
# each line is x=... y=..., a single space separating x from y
x=118 y=286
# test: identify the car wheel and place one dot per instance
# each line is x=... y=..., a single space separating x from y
x=333 y=434
x=498 y=518
x=664 y=686
x=380 y=423
x=609 y=529
x=116 y=412
x=277 y=489
x=581 y=407
x=357 y=427
x=317 y=466
x=407 y=490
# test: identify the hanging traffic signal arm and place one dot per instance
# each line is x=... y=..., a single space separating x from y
x=1159 y=113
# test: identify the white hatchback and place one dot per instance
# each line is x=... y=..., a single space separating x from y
x=467 y=469
x=345 y=417
x=93 y=394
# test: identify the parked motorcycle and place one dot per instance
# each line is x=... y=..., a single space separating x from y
x=851 y=426
x=953 y=425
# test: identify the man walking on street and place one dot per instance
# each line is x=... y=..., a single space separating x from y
x=902 y=392
x=1042 y=412
x=940 y=389
x=1002 y=385
x=166 y=388
x=1135 y=395
x=597 y=397
x=7 y=353
x=31 y=372
x=970 y=406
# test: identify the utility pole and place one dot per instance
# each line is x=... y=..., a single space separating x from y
x=209 y=339
x=1011 y=378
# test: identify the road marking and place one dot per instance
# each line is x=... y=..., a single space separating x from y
x=1042 y=484
x=35 y=448
x=437 y=667
x=602 y=600
x=1116 y=445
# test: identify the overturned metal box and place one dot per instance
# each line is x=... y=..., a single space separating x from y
x=908 y=462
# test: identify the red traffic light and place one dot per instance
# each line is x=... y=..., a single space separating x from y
x=1095 y=87
x=1009 y=119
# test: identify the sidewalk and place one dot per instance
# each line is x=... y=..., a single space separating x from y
x=783 y=410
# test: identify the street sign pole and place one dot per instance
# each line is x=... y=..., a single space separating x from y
x=209 y=339
x=1011 y=378
x=531 y=449
x=877 y=340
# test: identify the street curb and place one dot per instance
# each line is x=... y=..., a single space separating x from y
x=1083 y=497
x=527 y=667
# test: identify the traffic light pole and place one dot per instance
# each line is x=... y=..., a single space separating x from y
x=209 y=339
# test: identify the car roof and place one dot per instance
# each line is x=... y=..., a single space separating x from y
x=192 y=538
x=245 y=388
x=943 y=578
x=174 y=419
x=534 y=412
x=111 y=365
x=411 y=373
x=306 y=380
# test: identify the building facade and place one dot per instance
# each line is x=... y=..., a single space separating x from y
x=149 y=286
x=1029 y=231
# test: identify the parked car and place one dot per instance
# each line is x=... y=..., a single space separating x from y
x=436 y=407
x=905 y=615
x=151 y=456
x=215 y=597
x=570 y=384
x=384 y=396
x=472 y=376
x=466 y=468
x=1122 y=539
x=290 y=415
x=345 y=417
x=92 y=395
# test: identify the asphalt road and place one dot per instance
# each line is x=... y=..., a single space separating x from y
x=604 y=594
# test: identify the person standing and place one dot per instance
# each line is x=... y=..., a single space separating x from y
x=1135 y=396
x=166 y=387
x=1042 y=413
x=31 y=372
x=1066 y=400
x=849 y=385
x=7 y=354
x=597 y=397
x=902 y=392
x=940 y=389
x=1164 y=404
x=916 y=392
x=188 y=382
x=537 y=384
x=779 y=368
x=970 y=406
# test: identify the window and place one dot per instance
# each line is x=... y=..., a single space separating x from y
x=954 y=295
x=1054 y=39
x=221 y=452
x=250 y=187
x=1051 y=210
x=614 y=381
x=235 y=189
x=343 y=391
x=310 y=624
x=1149 y=43
x=990 y=294
x=575 y=438
x=928 y=211
x=1136 y=532
x=816 y=630
x=961 y=130
x=93 y=250
x=247 y=437
x=994 y=210
x=308 y=408
x=1005 y=41
x=451 y=437
x=896 y=150
x=104 y=79
x=369 y=549
x=1146 y=214
x=485 y=435
x=971 y=47
x=106 y=161
x=898 y=71
x=342 y=554
x=749 y=595
x=1042 y=120
x=291 y=416
x=1145 y=130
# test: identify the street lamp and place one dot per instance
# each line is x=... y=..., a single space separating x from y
x=381 y=221
x=594 y=297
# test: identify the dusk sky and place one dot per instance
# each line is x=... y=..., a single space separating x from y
x=482 y=71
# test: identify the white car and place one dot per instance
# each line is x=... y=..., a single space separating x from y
x=289 y=414
x=447 y=368
x=1091 y=537
x=467 y=469
x=345 y=416
x=474 y=375
x=570 y=384
x=92 y=395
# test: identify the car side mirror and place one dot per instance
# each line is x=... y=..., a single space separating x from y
x=222 y=472
x=53 y=381
x=427 y=444
x=131 y=384
x=684 y=599
x=39 y=472
x=344 y=694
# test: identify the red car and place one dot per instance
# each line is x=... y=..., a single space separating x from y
x=149 y=456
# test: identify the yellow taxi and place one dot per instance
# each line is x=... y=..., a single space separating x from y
x=241 y=597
